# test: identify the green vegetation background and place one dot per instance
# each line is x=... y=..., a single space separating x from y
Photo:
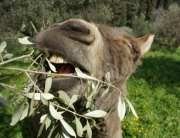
x=154 y=89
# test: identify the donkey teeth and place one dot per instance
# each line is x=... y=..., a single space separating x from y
x=56 y=59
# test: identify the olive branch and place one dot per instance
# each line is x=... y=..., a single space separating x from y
x=56 y=107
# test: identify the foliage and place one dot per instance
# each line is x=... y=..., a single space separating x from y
x=156 y=97
x=59 y=115
x=167 y=26
x=20 y=15
x=141 y=26
x=11 y=85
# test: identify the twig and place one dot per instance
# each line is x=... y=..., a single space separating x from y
x=16 y=58
x=61 y=75
x=74 y=113
x=8 y=86
x=33 y=82
x=34 y=61
x=33 y=26
x=1 y=58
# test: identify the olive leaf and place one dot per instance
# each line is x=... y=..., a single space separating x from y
x=79 y=127
x=51 y=66
x=47 y=122
x=44 y=101
x=73 y=99
x=105 y=91
x=20 y=114
x=3 y=46
x=83 y=75
x=32 y=107
x=43 y=117
x=25 y=112
x=37 y=96
x=48 y=84
x=131 y=107
x=64 y=97
x=88 y=129
x=25 y=41
x=67 y=127
x=34 y=96
x=58 y=135
x=41 y=129
x=47 y=96
x=121 y=108
x=64 y=135
x=54 y=113
x=51 y=131
x=94 y=91
x=8 y=56
x=96 y=114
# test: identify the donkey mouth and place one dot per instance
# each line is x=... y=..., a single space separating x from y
x=58 y=64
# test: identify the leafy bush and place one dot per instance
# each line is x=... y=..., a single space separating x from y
x=141 y=26
x=167 y=25
x=21 y=14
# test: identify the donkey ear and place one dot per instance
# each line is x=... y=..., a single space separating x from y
x=145 y=43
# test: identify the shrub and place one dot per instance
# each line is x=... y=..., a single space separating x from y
x=141 y=26
x=167 y=25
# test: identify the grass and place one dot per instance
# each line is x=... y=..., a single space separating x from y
x=154 y=91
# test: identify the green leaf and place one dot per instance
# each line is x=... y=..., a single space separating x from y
x=64 y=97
x=65 y=135
x=51 y=131
x=83 y=75
x=25 y=112
x=47 y=96
x=34 y=96
x=121 y=109
x=96 y=114
x=67 y=127
x=58 y=135
x=54 y=113
x=41 y=129
x=48 y=84
x=89 y=130
x=79 y=127
x=21 y=113
x=37 y=96
x=105 y=91
x=47 y=122
x=8 y=56
x=93 y=93
x=43 y=118
x=25 y=41
x=132 y=108
x=32 y=107
x=73 y=99
x=44 y=101
x=3 y=46
x=51 y=66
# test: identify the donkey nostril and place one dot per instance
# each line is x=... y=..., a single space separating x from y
x=75 y=26
x=78 y=31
